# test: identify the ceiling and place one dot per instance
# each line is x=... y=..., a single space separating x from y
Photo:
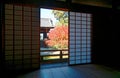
x=101 y=3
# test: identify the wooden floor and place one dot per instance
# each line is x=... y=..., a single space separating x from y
x=53 y=65
x=78 y=71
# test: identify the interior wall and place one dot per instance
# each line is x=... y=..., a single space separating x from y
x=105 y=38
x=102 y=34
x=115 y=39
x=1 y=39
x=0 y=28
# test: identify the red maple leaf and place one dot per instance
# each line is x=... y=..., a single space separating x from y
x=58 y=37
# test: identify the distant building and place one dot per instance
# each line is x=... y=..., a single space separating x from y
x=46 y=22
x=45 y=25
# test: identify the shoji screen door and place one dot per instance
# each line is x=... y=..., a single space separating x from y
x=80 y=38
x=22 y=41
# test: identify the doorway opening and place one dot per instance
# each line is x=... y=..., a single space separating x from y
x=53 y=38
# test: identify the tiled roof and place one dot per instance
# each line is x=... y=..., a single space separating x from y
x=46 y=22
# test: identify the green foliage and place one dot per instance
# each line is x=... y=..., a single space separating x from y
x=61 y=16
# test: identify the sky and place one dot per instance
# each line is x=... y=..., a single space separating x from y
x=47 y=13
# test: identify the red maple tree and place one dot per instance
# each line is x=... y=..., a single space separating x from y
x=58 y=37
